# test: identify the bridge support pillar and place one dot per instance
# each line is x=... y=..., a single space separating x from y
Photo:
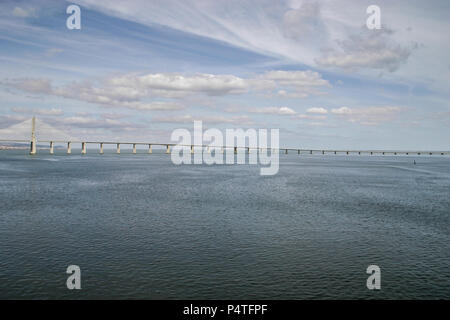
x=167 y=148
x=248 y=150
x=33 y=136
x=134 y=148
x=101 y=148
x=33 y=147
x=323 y=152
x=285 y=151
x=150 y=148
x=69 y=147
x=310 y=151
x=83 y=148
x=52 y=149
x=235 y=150
x=118 y=148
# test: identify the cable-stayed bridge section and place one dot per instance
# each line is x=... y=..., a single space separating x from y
x=10 y=134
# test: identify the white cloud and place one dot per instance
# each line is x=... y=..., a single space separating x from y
x=177 y=85
x=317 y=110
x=91 y=122
x=297 y=78
x=32 y=85
x=368 y=115
x=127 y=97
x=155 y=106
x=286 y=111
x=272 y=110
x=42 y=112
x=164 y=90
x=310 y=117
x=295 y=84
x=371 y=49
x=206 y=119
x=209 y=84
x=292 y=95
x=303 y=22
x=341 y=110
x=313 y=33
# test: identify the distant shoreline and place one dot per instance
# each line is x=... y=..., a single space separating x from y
x=22 y=147
x=13 y=147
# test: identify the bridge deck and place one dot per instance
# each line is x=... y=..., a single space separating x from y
x=298 y=150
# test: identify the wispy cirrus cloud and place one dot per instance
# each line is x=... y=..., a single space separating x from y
x=296 y=30
x=22 y=12
x=148 y=59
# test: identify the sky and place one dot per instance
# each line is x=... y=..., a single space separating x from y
x=139 y=69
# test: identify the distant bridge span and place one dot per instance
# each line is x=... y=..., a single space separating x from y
x=33 y=147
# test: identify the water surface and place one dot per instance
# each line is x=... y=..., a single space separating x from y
x=140 y=227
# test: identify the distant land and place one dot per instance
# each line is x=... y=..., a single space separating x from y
x=20 y=146
x=13 y=146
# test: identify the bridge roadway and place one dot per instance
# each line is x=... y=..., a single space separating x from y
x=236 y=148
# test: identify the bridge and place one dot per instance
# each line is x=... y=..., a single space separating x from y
x=33 y=147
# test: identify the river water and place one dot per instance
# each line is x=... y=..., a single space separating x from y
x=140 y=227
